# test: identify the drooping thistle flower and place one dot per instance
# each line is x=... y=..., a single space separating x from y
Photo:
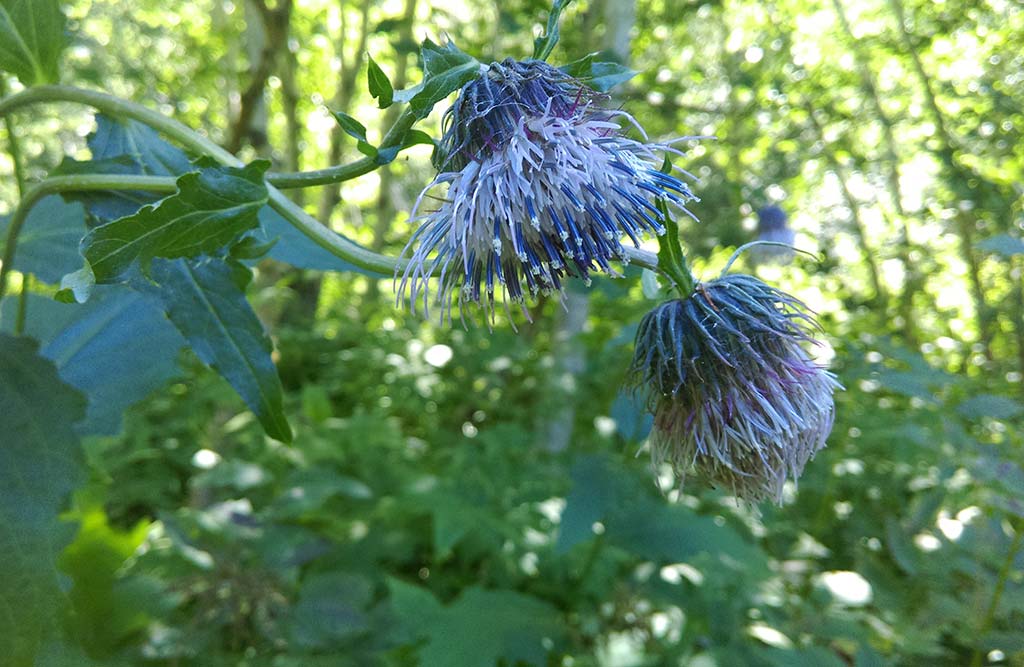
x=737 y=401
x=772 y=226
x=542 y=183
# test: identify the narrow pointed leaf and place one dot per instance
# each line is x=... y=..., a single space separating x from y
x=203 y=300
x=380 y=86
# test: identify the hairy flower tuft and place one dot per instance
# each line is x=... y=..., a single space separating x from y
x=737 y=402
x=542 y=184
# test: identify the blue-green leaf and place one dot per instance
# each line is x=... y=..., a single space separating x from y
x=48 y=242
x=116 y=349
x=1003 y=244
x=39 y=467
x=32 y=39
x=206 y=304
x=990 y=405
x=480 y=627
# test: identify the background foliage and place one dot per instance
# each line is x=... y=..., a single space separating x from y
x=378 y=490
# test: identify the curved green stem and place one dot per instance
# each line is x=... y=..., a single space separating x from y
x=78 y=182
x=345 y=172
x=14 y=148
x=320 y=234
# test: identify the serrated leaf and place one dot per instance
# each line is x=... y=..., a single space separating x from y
x=116 y=349
x=212 y=208
x=119 y=146
x=480 y=627
x=203 y=300
x=445 y=70
x=379 y=84
x=599 y=75
x=32 y=38
x=1003 y=244
x=48 y=242
x=39 y=467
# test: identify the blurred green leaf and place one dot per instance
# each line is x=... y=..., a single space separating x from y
x=639 y=523
x=330 y=610
x=32 y=39
x=1003 y=244
x=206 y=304
x=39 y=467
x=990 y=405
x=479 y=627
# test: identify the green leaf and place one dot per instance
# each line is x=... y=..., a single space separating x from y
x=380 y=86
x=48 y=242
x=330 y=609
x=39 y=467
x=637 y=521
x=445 y=70
x=1003 y=244
x=132 y=148
x=480 y=627
x=116 y=349
x=599 y=75
x=32 y=39
x=545 y=44
x=212 y=208
x=356 y=130
x=204 y=301
x=990 y=405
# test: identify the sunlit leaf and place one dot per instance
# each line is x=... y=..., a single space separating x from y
x=601 y=76
x=445 y=70
x=32 y=39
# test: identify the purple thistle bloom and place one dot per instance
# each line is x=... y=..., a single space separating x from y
x=541 y=184
x=772 y=226
x=737 y=402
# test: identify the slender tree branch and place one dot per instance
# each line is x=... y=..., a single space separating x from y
x=275 y=27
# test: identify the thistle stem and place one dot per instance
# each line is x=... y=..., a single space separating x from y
x=78 y=182
x=319 y=233
x=14 y=149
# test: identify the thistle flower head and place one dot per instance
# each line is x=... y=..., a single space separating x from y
x=772 y=226
x=542 y=184
x=737 y=402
